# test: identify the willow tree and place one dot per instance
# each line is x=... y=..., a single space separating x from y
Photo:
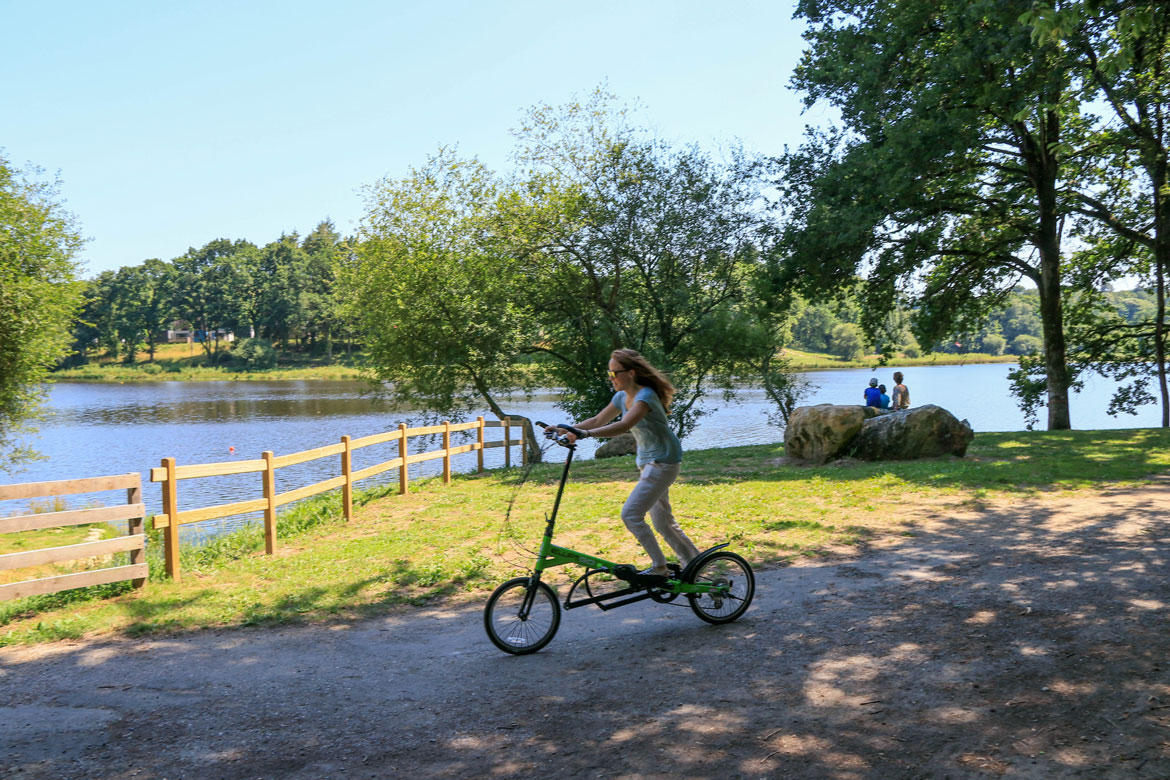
x=439 y=297
x=944 y=186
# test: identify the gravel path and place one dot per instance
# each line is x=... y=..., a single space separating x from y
x=1024 y=640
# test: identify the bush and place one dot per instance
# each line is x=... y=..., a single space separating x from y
x=847 y=341
x=994 y=344
x=254 y=354
x=150 y=368
x=1026 y=345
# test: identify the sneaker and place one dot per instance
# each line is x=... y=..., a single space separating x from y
x=657 y=571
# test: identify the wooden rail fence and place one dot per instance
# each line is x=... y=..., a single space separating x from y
x=169 y=474
x=134 y=542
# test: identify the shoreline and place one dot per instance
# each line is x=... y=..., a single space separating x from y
x=175 y=371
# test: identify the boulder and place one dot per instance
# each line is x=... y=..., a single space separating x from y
x=821 y=433
x=623 y=444
x=922 y=432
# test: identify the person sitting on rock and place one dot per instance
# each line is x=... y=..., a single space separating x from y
x=901 y=396
x=873 y=396
x=885 y=404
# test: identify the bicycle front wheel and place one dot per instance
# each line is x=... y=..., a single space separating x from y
x=518 y=634
x=733 y=573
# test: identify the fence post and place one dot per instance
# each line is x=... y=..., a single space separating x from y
x=507 y=442
x=479 y=438
x=347 y=472
x=446 y=452
x=269 y=475
x=170 y=502
x=402 y=450
x=136 y=525
x=524 y=444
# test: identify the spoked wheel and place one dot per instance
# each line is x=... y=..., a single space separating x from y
x=521 y=635
x=723 y=568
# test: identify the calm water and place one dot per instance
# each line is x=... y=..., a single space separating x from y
x=100 y=429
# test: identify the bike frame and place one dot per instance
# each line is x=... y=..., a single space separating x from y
x=552 y=555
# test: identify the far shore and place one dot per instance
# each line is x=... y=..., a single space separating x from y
x=178 y=363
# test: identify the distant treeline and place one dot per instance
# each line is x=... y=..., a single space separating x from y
x=1012 y=328
x=283 y=293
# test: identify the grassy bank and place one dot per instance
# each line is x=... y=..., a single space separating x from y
x=188 y=363
x=450 y=542
x=817 y=361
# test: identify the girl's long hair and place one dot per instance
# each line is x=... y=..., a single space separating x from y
x=645 y=374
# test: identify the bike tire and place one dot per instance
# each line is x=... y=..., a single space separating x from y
x=501 y=618
x=720 y=567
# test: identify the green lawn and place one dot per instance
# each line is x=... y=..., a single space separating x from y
x=452 y=542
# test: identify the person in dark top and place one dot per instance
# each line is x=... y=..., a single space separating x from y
x=873 y=396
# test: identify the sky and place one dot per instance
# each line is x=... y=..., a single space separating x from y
x=173 y=124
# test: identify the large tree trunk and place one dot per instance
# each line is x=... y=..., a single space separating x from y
x=1043 y=168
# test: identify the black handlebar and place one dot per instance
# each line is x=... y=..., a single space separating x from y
x=550 y=433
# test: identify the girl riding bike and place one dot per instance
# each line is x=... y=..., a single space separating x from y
x=642 y=399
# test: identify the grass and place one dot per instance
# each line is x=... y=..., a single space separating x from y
x=814 y=361
x=451 y=543
x=187 y=363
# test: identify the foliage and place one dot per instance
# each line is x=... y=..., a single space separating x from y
x=39 y=296
x=847 y=341
x=994 y=344
x=442 y=303
x=254 y=354
x=1121 y=51
x=638 y=244
x=942 y=186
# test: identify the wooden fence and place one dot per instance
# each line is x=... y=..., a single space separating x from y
x=134 y=542
x=169 y=474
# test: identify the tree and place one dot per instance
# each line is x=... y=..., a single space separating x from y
x=847 y=341
x=39 y=296
x=944 y=188
x=441 y=300
x=638 y=244
x=1122 y=57
x=215 y=287
x=318 y=311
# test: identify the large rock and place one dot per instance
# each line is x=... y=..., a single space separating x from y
x=622 y=444
x=922 y=432
x=823 y=432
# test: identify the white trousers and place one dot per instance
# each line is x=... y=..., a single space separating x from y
x=652 y=494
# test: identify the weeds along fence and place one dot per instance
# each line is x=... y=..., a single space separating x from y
x=169 y=474
x=133 y=542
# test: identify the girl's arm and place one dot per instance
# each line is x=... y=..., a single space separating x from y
x=603 y=431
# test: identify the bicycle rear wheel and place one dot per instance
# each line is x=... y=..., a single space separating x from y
x=521 y=635
x=732 y=571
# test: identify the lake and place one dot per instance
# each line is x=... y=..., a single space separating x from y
x=97 y=429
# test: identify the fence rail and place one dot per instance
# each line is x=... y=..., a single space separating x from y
x=134 y=542
x=168 y=474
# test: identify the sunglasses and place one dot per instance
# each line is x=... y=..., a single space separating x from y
x=613 y=374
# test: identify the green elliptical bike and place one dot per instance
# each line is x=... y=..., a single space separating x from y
x=523 y=614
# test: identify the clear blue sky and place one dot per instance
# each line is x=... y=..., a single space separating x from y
x=173 y=124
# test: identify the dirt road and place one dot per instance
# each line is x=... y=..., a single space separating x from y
x=1027 y=640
